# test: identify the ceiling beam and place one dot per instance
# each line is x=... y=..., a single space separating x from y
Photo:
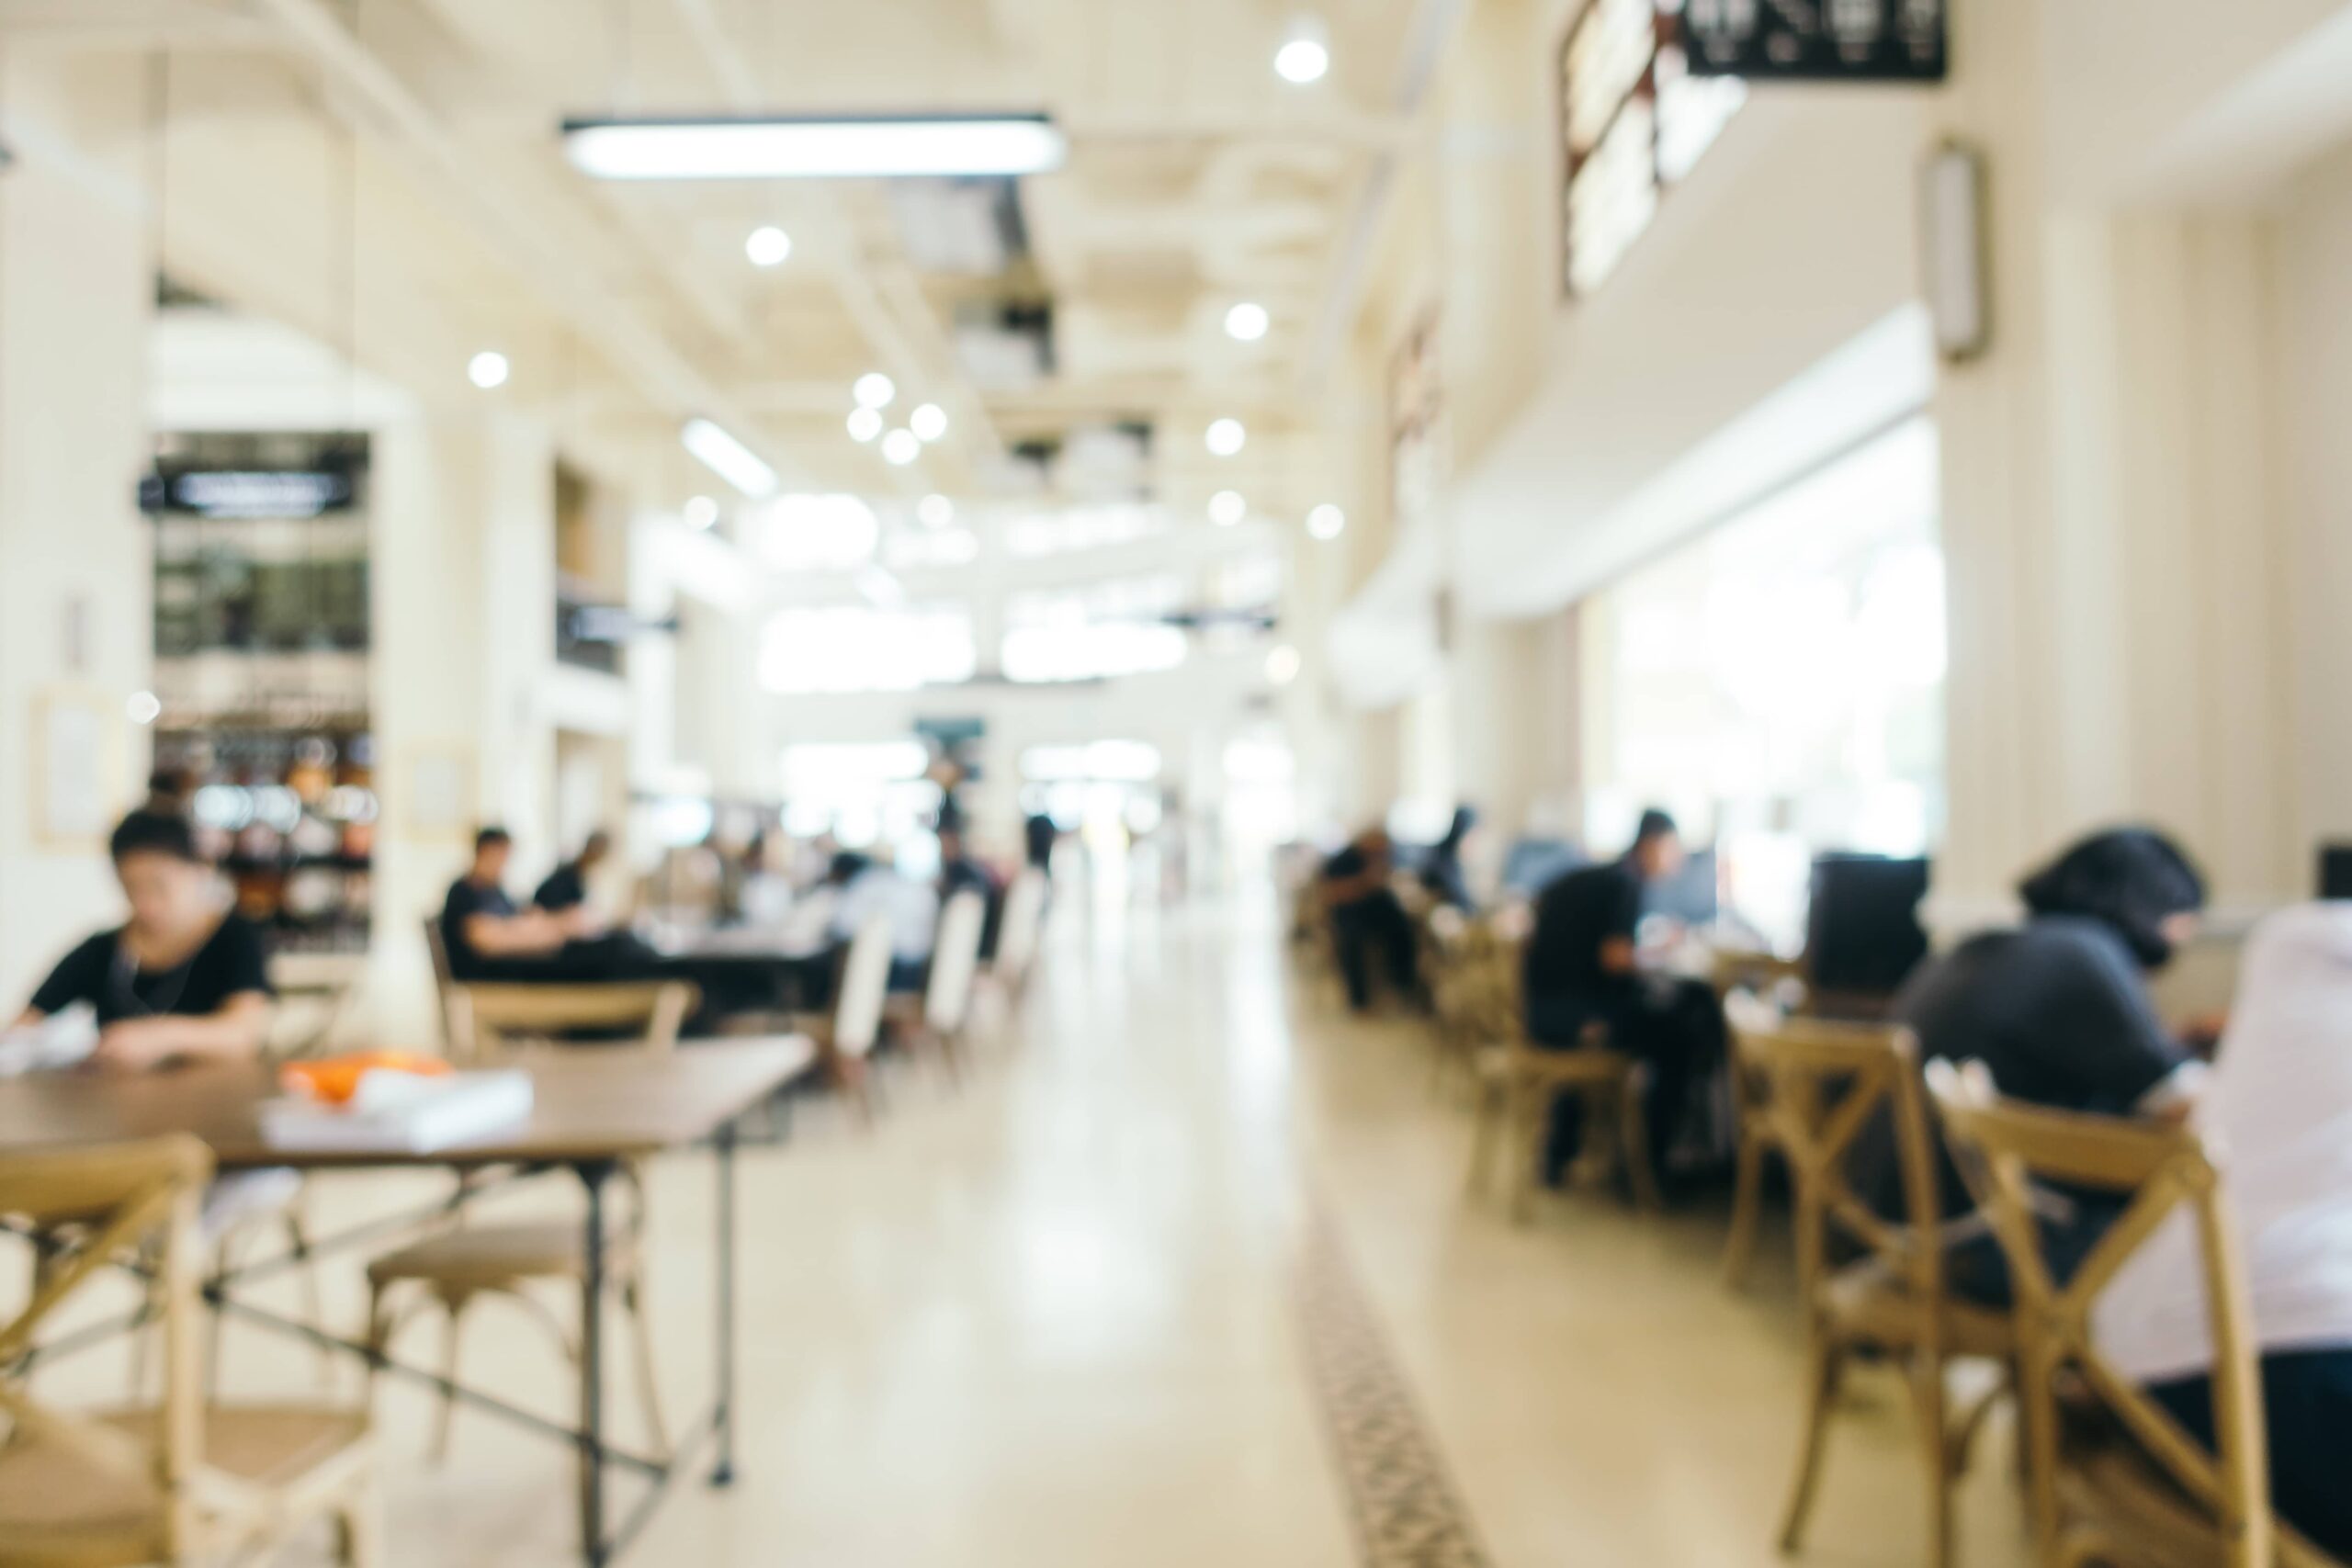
x=375 y=99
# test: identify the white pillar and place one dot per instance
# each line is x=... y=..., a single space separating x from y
x=76 y=300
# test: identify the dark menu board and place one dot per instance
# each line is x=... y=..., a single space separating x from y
x=1868 y=41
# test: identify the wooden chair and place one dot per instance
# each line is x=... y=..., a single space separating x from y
x=1020 y=934
x=444 y=980
x=1518 y=1084
x=453 y=1268
x=846 y=1038
x=182 y=1482
x=2115 y=1480
x=939 y=1020
x=1826 y=1082
x=1457 y=953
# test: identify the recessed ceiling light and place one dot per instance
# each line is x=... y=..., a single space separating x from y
x=488 y=369
x=935 y=510
x=875 y=390
x=900 y=447
x=1227 y=438
x=1281 y=664
x=1306 y=54
x=767 y=245
x=929 y=421
x=865 y=425
x=1226 y=507
x=144 y=708
x=1325 y=522
x=702 y=512
x=772 y=147
x=1247 y=322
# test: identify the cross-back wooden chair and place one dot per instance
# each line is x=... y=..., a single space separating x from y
x=178 y=1483
x=1456 y=953
x=444 y=980
x=1824 y=1083
x=456 y=1265
x=2115 y=1480
x=1519 y=1084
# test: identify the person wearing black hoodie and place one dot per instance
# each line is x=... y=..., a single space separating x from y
x=2059 y=1009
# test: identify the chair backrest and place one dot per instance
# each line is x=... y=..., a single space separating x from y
x=864 y=989
x=955 y=960
x=2006 y=1148
x=1020 y=927
x=121 y=1197
x=437 y=946
x=1823 y=1085
x=485 y=1015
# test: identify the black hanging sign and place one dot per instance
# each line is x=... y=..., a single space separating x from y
x=1816 y=40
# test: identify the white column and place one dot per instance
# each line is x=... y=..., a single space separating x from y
x=76 y=301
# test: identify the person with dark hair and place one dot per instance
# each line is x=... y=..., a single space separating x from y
x=566 y=887
x=182 y=979
x=1583 y=965
x=2059 y=1009
x=1367 y=918
x=488 y=938
x=1442 y=874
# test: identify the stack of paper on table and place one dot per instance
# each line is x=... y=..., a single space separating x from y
x=403 y=1112
x=63 y=1039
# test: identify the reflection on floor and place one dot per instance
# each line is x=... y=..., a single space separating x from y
x=1185 y=1276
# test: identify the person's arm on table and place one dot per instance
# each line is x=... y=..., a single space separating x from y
x=233 y=1032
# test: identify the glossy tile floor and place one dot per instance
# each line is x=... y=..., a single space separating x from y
x=1087 y=1309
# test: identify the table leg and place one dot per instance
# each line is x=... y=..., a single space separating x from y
x=594 y=1547
x=722 y=1473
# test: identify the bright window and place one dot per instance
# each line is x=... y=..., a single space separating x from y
x=1118 y=628
x=857 y=647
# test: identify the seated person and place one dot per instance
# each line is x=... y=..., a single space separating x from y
x=866 y=888
x=489 y=938
x=566 y=887
x=1442 y=874
x=1366 y=915
x=2279 y=1106
x=184 y=979
x=961 y=871
x=1582 y=966
x=2058 y=1010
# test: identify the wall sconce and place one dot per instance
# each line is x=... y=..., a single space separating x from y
x=1955 y=250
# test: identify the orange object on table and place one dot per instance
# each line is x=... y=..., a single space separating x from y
x=332 y=1080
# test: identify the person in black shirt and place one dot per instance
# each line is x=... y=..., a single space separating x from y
x=2059 y=1010
x=182 y=979
x=489 y=938
x=1040 y=835
x=1581 y=966
x=566 y=886
x=1366 y=916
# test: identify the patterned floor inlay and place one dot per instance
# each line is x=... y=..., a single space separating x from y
x=1408 y=1514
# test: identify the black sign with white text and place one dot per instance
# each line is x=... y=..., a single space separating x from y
x=1858 y=40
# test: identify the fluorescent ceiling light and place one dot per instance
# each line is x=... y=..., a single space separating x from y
x=702 y=512
x=1306 y=54
x=728 y=457
x=846 y=147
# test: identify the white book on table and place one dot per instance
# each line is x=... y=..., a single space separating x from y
x=405 y=1113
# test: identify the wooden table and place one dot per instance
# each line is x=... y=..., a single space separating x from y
x=595 y=1108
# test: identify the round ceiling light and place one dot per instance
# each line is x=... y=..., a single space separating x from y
x=488 y=369
x=1227 y=438
x=1325 y=522
x=1305 y=57
x=1247 y=322
x=865 y=425
x=901 y=447
x=934 y=512
x=1281 y=664
x=929 y=421
x=875 y=390
x=702 y=512
x=767 y=245
x=1226 y=507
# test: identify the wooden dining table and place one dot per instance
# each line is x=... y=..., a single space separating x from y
x=594 y=1107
